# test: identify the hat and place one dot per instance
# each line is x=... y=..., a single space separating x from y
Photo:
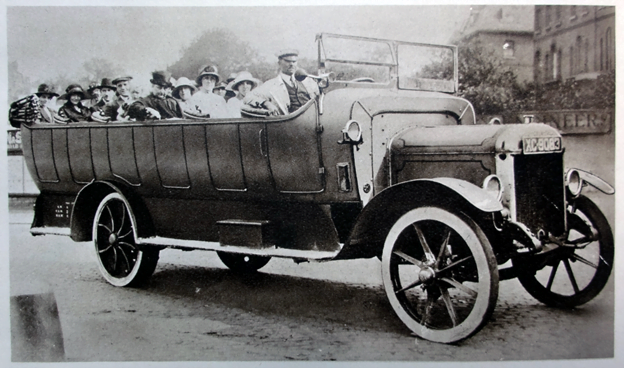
x=161 y=78
x=288 y=52
x=73 y=89
x=231 y=77
x=92 y=86
x=221 y=85
x=44 y=89
x=207 y=70
x=106 y=83
x=244 y=77
x=182 y=82
x=121 y=79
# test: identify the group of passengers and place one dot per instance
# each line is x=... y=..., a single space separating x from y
x=206 y=97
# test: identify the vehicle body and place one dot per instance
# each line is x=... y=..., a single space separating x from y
x=388 y=164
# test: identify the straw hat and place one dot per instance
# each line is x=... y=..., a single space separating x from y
x=182 y=82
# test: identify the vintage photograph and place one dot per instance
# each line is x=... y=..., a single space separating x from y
x=355 y=183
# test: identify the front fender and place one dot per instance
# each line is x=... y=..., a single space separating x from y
x=596 y=182
x=385 y=208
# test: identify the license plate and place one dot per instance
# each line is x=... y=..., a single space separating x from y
x=541 y=144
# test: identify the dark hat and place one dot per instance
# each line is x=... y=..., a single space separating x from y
x=207 y=70
x=44 y=89
x=182 y=82
x=243 y=77
x=161 y=78
x=288 y=52
x=121 y=79
x=73 y=89
x=92 y=86
x=221 y=85
x=106 y=83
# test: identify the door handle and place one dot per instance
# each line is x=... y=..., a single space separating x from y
x=263 y=150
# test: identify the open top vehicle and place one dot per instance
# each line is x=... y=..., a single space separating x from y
x=385 y=163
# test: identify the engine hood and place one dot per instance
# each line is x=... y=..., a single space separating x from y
x=469 y=139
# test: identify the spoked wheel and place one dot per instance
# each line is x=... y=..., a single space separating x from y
x=243 y=262
x=573 y=274
x=120 y=260
x=440 y=274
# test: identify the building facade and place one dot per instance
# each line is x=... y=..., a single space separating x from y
x=506 y=31
x=573 y=41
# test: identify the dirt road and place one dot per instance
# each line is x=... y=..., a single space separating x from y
x=195 y=309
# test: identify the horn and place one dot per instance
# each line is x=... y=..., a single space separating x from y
x=301 y=74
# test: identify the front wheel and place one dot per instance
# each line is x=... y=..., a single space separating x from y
x=573 y=274
x=120 y=260
x=440 y=274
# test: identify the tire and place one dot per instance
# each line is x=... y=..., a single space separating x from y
x=440 y=274
x=585 y=272
x=120 y=260
x=243 y=263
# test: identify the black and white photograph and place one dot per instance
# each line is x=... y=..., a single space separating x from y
x=310 y=182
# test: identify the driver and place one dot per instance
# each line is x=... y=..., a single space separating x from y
x=283 y=94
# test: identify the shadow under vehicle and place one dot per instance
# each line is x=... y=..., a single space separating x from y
x=385 y=163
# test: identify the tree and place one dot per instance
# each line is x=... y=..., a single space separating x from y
x=225 y=50
x=19 y=84
x=485 y=81
x=98 y=68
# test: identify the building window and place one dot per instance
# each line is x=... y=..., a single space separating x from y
x=558 y=13
x=548 y=16
x=586 y=61
x=538 y=19
x=538 y=66
x=609 y=51
x=571 y=60
x=573 y=12
x=546 y=67
x=509 y=50
x=601 y=54
x=557 y=65
x=578 y=58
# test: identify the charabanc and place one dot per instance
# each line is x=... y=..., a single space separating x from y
x=386 y=162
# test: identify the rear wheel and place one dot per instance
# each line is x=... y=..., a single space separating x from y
x=243 y=262
x=120 y=260
x=574 y=274
x=440 y=274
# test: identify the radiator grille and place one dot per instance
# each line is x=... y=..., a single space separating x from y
x=539 y=187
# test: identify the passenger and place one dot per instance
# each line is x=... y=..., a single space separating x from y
x=73 y=109
x=219 y=89
x=183 y=92
x=243 y=84
x=46 y=94
x=104 y=110
x=123 y=99
x=283 y=94
x=156 y=105
x=136 y=92
x=209 y=104
x=229 y=93
x=94 y=95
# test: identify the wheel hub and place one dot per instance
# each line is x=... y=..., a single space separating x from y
x=426 y=274
x=112 y=239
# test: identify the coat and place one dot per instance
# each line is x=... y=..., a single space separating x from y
x=274 y=90
x=168 y=107
x=69 y=112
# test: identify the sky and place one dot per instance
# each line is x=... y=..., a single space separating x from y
x=51 y=41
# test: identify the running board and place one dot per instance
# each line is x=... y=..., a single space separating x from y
x=51 y=230
x=268 y=251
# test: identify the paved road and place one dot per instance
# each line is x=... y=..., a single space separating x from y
x=195 y=309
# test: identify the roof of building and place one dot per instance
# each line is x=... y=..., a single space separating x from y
x=497 y=18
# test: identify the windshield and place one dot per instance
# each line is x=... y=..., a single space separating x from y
x=366 y=60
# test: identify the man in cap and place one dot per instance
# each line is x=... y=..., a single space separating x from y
x=123 y=99
x=207 y=103
x=46 y=93
x=156 y=105
x=94 y=93
x=283 y=94
x=105 y=109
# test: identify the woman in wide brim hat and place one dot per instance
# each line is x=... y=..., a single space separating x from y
x=207 y=70
x=242 y=84
x=243 y=77
x=181 y=83
x=73 y=109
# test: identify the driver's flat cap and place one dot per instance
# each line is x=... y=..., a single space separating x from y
x=287 y=52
